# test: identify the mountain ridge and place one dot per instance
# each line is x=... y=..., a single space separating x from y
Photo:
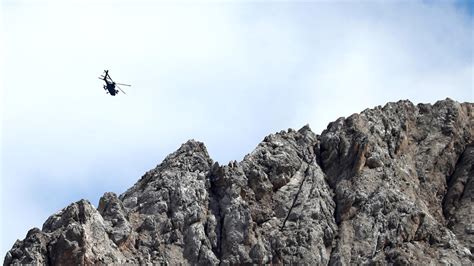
x=392 y=184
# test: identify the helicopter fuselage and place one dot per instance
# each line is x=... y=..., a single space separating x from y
x=111 y=88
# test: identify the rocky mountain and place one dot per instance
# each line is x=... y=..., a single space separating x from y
x=391 y=185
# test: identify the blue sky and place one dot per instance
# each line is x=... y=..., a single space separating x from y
x=226 y=74
x=466 y=6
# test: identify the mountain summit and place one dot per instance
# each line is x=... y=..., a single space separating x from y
x=391 y=185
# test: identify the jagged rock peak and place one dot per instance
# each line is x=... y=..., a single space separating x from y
x=392 y=162
x=191 y=154
x=192 y=146
x=390 y=185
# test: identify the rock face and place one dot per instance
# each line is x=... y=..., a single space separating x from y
x=391 y=185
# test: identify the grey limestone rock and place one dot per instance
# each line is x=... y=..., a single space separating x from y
x=391 y=185
x=75 y=235
x=275 y=206
x=390 y=209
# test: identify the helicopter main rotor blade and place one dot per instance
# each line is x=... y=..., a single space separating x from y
x=110 y=77
x=123 y=84
x=120 y=89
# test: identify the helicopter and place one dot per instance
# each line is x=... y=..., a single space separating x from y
x=110 y=84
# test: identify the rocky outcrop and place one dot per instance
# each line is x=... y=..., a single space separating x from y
x=275 y=206
x=389 y=168
x=391 y=185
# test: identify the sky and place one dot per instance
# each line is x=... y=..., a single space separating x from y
x=226 y=73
